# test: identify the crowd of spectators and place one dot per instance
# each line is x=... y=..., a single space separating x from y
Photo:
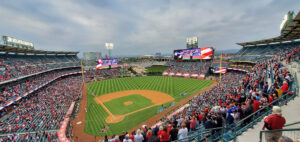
x=14 y=66
x=14 y=90
x=189 y=67
x=101 y=74
x=41 y=111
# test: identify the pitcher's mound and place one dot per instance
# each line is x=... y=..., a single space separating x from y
x=114 y=118
x=128 y=103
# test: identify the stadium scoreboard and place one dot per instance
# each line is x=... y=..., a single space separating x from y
x=106 y=63
x=204 y=53
x=10 y=41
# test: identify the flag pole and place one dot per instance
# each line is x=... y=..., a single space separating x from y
x=220 y=68
x=82 y=71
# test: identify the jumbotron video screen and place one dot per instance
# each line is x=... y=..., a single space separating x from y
x=106 y=63
x=194 y=54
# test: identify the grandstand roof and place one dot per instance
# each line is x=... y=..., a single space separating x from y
x=292 y=32
x=11 y=49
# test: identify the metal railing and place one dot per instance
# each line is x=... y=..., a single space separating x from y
x=208 y=134
x=291 y=124
x=293 y=133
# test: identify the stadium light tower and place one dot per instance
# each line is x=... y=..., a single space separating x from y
x=109 y=47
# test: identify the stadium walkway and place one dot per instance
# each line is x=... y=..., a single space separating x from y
x=290 y=112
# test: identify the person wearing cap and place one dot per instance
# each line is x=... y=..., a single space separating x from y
x=275 y=121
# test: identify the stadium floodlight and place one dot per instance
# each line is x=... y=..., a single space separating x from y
x=285 y=18
x=109 y=47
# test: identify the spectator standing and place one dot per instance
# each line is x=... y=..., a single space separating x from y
x=138 y=137
x=127 y=139
x=174 y=133
x=183 y=132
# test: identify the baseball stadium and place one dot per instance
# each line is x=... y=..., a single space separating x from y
x=193 y=93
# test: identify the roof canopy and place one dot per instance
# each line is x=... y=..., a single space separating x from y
x=4 y=48
x=292 y=32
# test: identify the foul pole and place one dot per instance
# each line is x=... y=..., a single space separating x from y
x=220 y=68
x=82 y=71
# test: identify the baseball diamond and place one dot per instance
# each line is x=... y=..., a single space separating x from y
x=146 y=95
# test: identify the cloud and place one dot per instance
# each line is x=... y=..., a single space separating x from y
x=141 y=27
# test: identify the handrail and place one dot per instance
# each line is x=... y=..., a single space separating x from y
x=279 y=130
x=206 y=131
x=31 y=132
x=287 y=125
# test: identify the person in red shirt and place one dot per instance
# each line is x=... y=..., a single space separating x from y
x=149 y=134
x=193 y=123
x=256 y=105
x=200 y=116
x=161 y=129
x=275 y=121
x=220 y=102
x=132 y=136
x=164 y=135
x=169 y=127
x=206 y=110
x=284 y=87
x=271 y=99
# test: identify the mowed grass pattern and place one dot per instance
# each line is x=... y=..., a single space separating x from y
x=117 y=106
x=96 y=115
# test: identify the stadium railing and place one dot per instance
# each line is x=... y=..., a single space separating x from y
x=230 y=132
x=293 y=133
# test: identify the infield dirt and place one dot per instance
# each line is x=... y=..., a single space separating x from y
x=157 y=98
x=78 y=130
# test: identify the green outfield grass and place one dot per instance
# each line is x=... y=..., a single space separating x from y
x=156 y=69
x=116 y=106
x=96 y=115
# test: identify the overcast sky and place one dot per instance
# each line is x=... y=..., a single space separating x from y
x=139 y=27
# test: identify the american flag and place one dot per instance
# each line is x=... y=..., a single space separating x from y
x=219 y=70
x=99 y=64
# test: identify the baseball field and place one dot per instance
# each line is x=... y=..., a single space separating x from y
x=118 y=105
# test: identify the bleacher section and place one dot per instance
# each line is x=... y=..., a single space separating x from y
x=42 y=111
x=15 y=66
x=256 y=53
x=12 y=91
x=188 y=67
